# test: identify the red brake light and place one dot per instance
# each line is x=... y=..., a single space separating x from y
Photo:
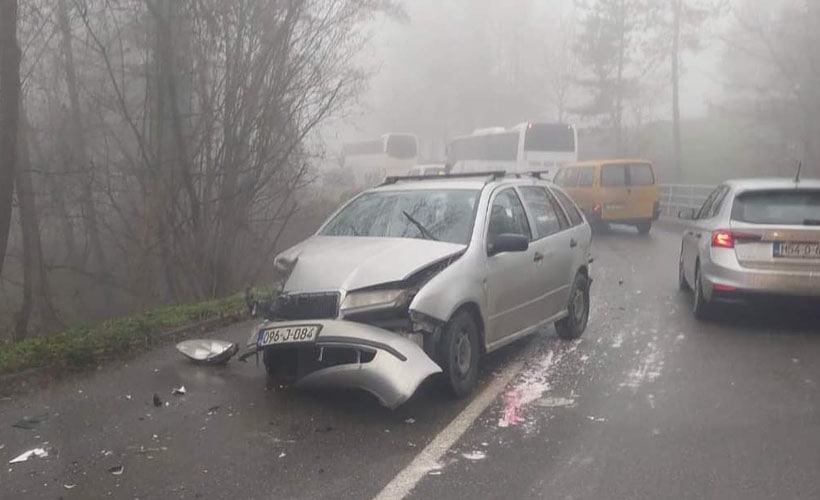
x=723 y=238
x=597 y=207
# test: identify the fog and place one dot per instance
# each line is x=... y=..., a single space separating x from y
x=162 y=151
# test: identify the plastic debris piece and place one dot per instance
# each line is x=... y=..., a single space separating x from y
x=475 y=455
x=178 y=391
x=69 y=486
x=157 y=400
x=213 y=409
x=211 y=352
x=410 y=421
x=30 y=423
x=23 y=457
x=128 y=397
x=117 y=470
x=282 y=455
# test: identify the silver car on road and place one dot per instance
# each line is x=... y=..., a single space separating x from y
x=752 y=238
x=425 y=275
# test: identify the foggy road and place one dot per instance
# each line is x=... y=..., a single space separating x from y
x=648 y=404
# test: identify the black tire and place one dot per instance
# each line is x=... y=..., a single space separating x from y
x=644 y=227
x=459 y=352
x=701 y=306
x=682 y=283
x=575 y=323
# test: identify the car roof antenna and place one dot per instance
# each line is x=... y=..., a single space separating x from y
x=799 y=168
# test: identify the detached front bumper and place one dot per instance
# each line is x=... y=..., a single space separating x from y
x=392 y=367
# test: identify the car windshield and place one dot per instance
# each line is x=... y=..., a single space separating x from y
x=787 y=207
x=445 y=215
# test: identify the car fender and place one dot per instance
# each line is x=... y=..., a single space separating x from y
x=459 y=284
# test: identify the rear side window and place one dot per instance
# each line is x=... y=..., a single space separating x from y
x=586 y=176
x=544 y=213
x=568 y=177
x=788 y=207
x=569 y=207
x=641 y=174
x=613 y=175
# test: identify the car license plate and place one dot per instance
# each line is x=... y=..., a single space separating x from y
x=797 y=250
x=295 y=334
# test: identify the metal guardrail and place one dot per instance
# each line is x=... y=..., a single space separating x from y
x=676 y=197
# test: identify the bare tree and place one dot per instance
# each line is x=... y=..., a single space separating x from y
x=610 y=47
x=9 y=116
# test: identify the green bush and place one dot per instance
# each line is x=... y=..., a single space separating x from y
x=80 y=346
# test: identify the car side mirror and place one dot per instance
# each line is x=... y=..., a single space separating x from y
x=687 y=214
x=509 y=243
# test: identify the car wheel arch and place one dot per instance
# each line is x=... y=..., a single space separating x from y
x=475 y=312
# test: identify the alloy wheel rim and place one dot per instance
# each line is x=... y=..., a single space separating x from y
x=463 y=353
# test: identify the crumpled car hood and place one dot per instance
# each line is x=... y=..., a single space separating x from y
x=329 y=263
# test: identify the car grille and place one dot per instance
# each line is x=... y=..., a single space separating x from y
x=308 y=306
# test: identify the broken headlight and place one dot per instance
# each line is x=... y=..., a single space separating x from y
x=373 y=300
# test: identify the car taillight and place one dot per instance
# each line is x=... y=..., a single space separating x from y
x=597 y=207
x=723 y=238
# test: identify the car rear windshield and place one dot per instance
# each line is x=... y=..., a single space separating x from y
x=788 y=207
x=446 y=215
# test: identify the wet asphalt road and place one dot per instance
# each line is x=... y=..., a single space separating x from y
x=648 y=404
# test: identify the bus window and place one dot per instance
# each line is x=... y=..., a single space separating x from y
x=401 y=146
x=549 y=137
x=501 y=147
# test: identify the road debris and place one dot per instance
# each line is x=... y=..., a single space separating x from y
x=23 y=457
x=157 y=400
x=117 y=470
x=596 y=419
x=178 y=391
x=282 y=455
x=554 y=402
x=213 y=409
x=29 y=423
x=475 y=455
x=69 y=486
x=205 y=351
x=410 y=421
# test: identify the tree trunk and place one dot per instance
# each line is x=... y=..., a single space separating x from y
x=619 y=83
x=9 y=115
x=35 y=288
x=676 y=8
x=79 y=150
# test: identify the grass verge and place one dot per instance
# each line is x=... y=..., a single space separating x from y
x=80 y=347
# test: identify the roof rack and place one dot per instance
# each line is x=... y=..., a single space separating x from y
x=492 y=175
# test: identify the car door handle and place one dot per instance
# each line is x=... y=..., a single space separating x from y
x=538 y=257
x=573 y=243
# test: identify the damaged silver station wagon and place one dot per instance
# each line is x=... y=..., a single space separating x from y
x=425 y=275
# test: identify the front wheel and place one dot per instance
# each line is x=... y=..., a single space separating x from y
x=575 y=323
x=460 y=351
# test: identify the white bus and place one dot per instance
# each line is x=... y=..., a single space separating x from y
x=371 y=161
x=527 y=147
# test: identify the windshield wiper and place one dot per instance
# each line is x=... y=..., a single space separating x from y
x=811 y=222
x=424 y=231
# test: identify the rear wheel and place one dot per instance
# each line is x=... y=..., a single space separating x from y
x=460 y=351
x=682 y=283
x=644 y=227
x=575 y=323
x=700 y=304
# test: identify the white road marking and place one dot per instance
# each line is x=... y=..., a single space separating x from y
x=428 y=459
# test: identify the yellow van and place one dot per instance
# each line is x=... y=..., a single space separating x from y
x=614 y=191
